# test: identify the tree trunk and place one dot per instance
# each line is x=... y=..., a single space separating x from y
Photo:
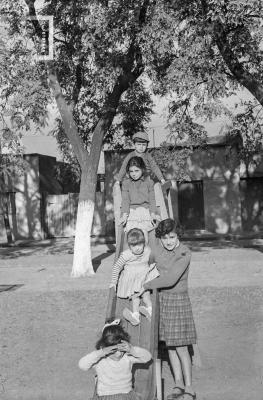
x=132 y=69
x=245 y=78
x=5 y=209
x=82 y=262
x=8 y=230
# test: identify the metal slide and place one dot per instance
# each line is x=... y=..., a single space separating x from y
x=146 y=334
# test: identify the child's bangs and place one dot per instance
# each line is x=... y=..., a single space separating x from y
x=135 y=236
x=133 y=241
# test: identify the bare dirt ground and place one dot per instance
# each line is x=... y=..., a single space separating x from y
x=52 y=320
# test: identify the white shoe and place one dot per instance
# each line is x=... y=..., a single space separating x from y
x=146 y=311
x=133 y=318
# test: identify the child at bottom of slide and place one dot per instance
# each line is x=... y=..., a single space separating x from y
x=130 y=272
x=113 y=360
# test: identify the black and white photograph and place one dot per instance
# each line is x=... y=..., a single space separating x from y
x=131 y=199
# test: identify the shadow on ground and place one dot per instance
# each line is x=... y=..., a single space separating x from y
x=199 y=246
x=51 y=246
x=66 y=246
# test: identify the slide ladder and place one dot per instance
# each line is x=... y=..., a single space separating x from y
x=147 y=378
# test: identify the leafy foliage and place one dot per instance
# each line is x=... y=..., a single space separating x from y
x=215 y=48
x=178 y=45
x=23 y=93
x=248 y=126
x=168 y=155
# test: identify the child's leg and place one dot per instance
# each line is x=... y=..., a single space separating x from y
x=176 y=368
x=147 y=299
x=186 y=364
x=135 y=304
x=134 y=316
x=146 y=311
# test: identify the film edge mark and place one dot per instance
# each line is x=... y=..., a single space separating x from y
x=46 y=45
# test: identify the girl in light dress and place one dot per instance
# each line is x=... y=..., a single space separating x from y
x=130 y=272
x=113 y=360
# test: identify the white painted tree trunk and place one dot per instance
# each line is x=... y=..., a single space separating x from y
x=82 y=263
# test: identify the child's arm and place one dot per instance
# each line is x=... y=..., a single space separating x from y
x=136 y=354
x=116 y=269
x=175 y=272
x=154 y=168
x=125 y=203
x=122 y=172
x=152 y=201
x=91 y=359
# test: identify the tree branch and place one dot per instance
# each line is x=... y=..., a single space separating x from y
x=70 y=127
x=244 y=77
x=77 y=85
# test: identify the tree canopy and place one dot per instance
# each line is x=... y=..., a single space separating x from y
x=217 y=50
x=196 y=52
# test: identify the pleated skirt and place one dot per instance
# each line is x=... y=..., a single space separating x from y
x=177 y=327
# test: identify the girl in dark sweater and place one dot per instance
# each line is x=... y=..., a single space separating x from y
x=177 y=326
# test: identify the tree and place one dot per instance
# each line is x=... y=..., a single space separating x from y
x=11 y=152
x=248 y=127
x=99 y=57
x=191 y=50
x=218 y=51
x=213 y=52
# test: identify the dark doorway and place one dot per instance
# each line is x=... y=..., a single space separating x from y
x=251 y=190
x=191 y=205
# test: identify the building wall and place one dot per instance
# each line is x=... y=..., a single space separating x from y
x=29 y=190
x=28 y=201
x=217 y=167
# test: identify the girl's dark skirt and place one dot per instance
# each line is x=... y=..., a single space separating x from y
x=177 y=327
x=121 y=396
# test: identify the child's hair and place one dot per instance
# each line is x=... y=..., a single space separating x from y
x=166 y=226
x=136 y=162
x=135 y=236
x=111 y=336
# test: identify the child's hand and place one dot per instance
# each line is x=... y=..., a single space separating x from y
x=109 y=350
x=154 y=219
x=152 y=266
x=112 y=285
x=124 y=346
x=158 y=217
x=163 y=181
x=123 y=219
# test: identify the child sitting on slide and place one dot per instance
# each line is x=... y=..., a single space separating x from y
x=141 y=140
x=113 y=361
x=129 y=274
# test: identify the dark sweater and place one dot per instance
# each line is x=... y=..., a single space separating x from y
x=173 y=267
x=138 y=193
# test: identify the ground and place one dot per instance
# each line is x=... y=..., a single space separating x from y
x=50 y=321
